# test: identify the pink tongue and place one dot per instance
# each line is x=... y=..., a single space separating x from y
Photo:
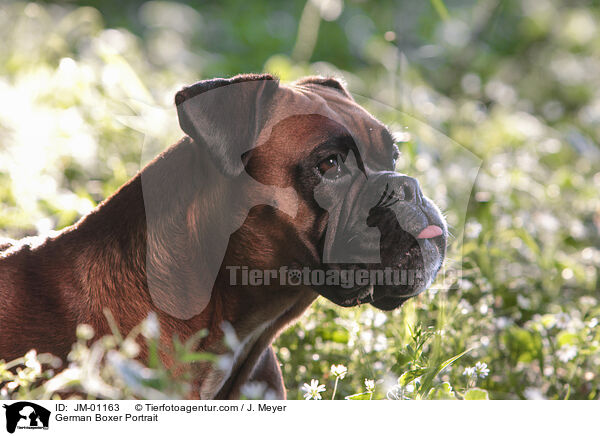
x=430 y=232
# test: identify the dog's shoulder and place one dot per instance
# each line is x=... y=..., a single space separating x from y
x=26 y=244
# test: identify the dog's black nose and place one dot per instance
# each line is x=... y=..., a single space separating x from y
x=394 y=187
x=408 y=186
x=398 y=204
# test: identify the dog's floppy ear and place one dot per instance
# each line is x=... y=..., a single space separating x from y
x=329 y=82
x=226 y=115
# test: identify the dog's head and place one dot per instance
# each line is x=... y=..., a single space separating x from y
x=370 y=231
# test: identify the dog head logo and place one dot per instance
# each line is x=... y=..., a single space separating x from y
x=26 y=415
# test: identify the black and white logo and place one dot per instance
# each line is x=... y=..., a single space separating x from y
x=26 y=415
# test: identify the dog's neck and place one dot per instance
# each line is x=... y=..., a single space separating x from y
x=150 y=244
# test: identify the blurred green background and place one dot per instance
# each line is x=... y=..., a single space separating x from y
x=508 y=91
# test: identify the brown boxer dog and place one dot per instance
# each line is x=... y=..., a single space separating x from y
x=269 y=177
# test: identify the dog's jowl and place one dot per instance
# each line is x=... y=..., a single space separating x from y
x=275 y=195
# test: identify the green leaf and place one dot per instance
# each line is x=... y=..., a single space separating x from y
x=523 y=345
x=340 y=336
x=568 y=394
x=442 y=392
x=547 y=320
x=528 y=240
x=198 y=357
x=410 y=375
x=440 y=8
x=402 y=359
x=566 y=338
x=195 y=338
x=361 y=396
x=433 y=372
x=451 y=361
x=153 y=356
x=477 y=394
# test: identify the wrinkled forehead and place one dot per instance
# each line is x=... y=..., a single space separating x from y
x=371 y=137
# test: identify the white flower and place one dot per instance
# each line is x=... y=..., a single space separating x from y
x=32 y=362
x=151 y=326
x=370 y=385
x=465 y=307
x=395 y=393
x=481 y=370
x=562 y=320
x=469 y=371
x=230 y=339
x=523 y=302
x=566 y=353
x=85 y=332
x=313 y=390
x=534 y=394
x=380 y=319
x=473 y=229
x=63 y=379
x=586 y=300
x=381 y=342
x=502 y=322
x=339 y=371
x=130 y=348
x=25 y=376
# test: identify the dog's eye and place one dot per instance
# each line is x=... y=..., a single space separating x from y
x=330 y=167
